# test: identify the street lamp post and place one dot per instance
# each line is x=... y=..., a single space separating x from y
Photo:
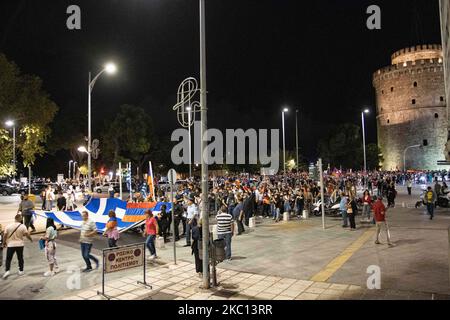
x=404 y=154
x=284 y=142
x=11 y=123
x=111 y=69
x=189 y=109
x=204 y=127
x=70 y=166
x=364 y=138
x=74 y=170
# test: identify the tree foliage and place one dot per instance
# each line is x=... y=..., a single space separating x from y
x=128 y=137
x=23 y=100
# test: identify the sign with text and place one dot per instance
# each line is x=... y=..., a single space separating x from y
x=123 y=258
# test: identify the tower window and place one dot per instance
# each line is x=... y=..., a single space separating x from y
x=436 y=116
x=415 y=84
x=382 y=91
x=425 y=142
x=388 y=121
x=413 y=101
x=392 y=89
x=442 y=99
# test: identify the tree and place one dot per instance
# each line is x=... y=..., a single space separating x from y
x=343 y=147
x=6 y=167
x=128 y=137
x=23 y=99
x=373 y=156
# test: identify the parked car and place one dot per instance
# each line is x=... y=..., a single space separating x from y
x=6 y=189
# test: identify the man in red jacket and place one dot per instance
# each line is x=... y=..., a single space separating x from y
x=379 y=213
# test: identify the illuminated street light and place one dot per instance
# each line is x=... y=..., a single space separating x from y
x=109 y=68
x=83 y=149
x=11 y=124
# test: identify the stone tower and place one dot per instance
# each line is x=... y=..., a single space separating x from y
x=411 y=109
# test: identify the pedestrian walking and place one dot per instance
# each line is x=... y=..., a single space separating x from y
x=50 y=248
x=367 y=203
x=151 y=230
x=111 y=231
x=343 y=209
x=225 y=229
x=196 y=240
x=351 y=212
x=61 y=202
x=430 y=199
x=379 y=212
x=87 y=235
x=14 y=243
x=49 y=198
x=2 y=236
x=192 y=214
x=409 y=186
x=26 y=207
x=238 y=216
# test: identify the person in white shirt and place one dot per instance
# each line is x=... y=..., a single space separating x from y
x=192 y=214
x=88 y=232
x=50 y=197
x=13 y=240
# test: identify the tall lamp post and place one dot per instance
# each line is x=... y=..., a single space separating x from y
x=364 y=137
x=70 y=166
x=204 y=127
x=284 y=141
x=189 y=110
x=84 y=150
x=109 y=68
x=12 y=125
x=74 y=170
x=404 y=154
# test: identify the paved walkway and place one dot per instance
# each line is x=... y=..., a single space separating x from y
x=295 y=259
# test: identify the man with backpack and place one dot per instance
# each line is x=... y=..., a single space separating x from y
x=430 y=199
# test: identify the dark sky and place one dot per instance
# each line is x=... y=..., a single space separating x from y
x=262 y=55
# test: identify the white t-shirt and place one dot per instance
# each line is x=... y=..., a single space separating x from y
x=15 y=239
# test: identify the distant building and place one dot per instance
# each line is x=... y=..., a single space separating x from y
x=445 y=33
x=411 y=109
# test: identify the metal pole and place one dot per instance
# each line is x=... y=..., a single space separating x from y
x=14 y=152
x=74 y=170
x=204 y=127
x=29 y=179
x=284 y=147
x=321 y=192
x=173 y=225
x=296 y=135
x=70 y=166
x=89 y=135
x=120 y=180
x=190 y=143
x=364 y=141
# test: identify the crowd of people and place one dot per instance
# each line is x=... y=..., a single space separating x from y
x=232 y=200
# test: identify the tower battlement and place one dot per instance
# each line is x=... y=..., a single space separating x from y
x=427 y=65
x=420 y=52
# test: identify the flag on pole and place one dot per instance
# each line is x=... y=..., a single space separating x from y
x=150 y=182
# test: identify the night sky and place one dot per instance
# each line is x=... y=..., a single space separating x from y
x=262 y=55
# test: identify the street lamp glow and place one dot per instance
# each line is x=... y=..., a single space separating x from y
x=9 y=123
x=367 y=111
x=111 y=68
x=285 y=110
x=82 y=149
x=188 y=108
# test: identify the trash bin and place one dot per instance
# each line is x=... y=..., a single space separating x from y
x=219 y=246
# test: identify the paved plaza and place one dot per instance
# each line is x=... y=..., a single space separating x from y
x=285 y=260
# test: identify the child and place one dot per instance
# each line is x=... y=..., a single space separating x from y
x=2 y=233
